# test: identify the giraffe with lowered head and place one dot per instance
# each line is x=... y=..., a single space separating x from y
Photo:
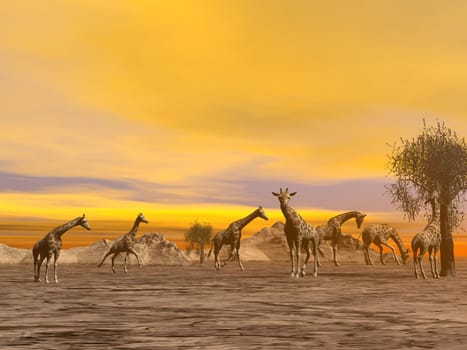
x=428 y=240
x=297 y=232
x=125 y=244
x=50 y=245
x=379 y=235
x=332 y=230
x=232 y=235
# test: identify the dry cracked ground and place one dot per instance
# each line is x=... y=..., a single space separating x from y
x=352 y=306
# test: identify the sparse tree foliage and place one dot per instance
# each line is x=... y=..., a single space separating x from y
x=435 y=160
x=198 y=236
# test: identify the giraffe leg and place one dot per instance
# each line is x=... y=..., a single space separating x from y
x=298 y=252
x=380 y=252
x=430 y=257
x=137 y=257
x=124 y=262
x=364 y=250
x=239 y=261
x=35 y=255
x=337 y=233
x=47 y=268
x=217 y=261
x=317 y=256
x=55 y=267
x=316 y=261
x=369 y=256
x=39 y=263
x=231 y=255
x=435 y=261
x=334 y=252
x=105 y=257
x=370 y=261
x=415 y=262
x=306 y=245
x=393 y=252
x=113 y=262
x=36 y=268
x=366 y=254
x=420 y=264
x=36 y=279
x=292 y=260
x=292 y=257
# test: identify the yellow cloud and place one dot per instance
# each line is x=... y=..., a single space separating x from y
x=192 y=94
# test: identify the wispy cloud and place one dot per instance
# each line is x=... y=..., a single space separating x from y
x=10 y=182
x=364 y=194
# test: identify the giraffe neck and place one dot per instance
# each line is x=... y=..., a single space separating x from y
x=434 y=212
x=434 y=220
x=60 y=230
x=289 y=212
x=134 y=229
x=246 y=220
x=344 y=217
x=393 y=234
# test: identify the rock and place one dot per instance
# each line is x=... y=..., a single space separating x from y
x=9 y=255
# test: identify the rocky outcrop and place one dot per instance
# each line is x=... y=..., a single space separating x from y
x=152 y=248
x=9 y=255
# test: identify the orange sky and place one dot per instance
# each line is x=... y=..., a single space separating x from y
x=191 y=110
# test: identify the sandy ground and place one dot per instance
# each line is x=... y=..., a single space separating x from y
x=353 y=306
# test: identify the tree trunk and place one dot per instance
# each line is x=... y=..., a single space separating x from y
x=448 y=265
x=201 y=254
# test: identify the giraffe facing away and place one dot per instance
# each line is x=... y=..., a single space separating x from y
x=379 y=235
x=428 y=240
x=297 y=232
x=125 y=244
x=50 y=245
x=332 y=230
x=232 y=235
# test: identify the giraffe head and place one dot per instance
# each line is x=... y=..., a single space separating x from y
x=83 y=222
x=405 y=256
x=433 y=197
x=284 y=196
x=141 y=218
x=359 y=219
x=261 y=213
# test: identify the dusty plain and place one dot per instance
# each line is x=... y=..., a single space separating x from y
x=352 y=306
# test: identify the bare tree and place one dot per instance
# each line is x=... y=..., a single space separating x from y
x=198 y=236
x=435 y=160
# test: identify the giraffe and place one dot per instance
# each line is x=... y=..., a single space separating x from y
x=125 y=243
x=332 y=230
x=50 y=245
x=232 y=235
x=379 y=234
x=297 y=231
x=428 y=240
